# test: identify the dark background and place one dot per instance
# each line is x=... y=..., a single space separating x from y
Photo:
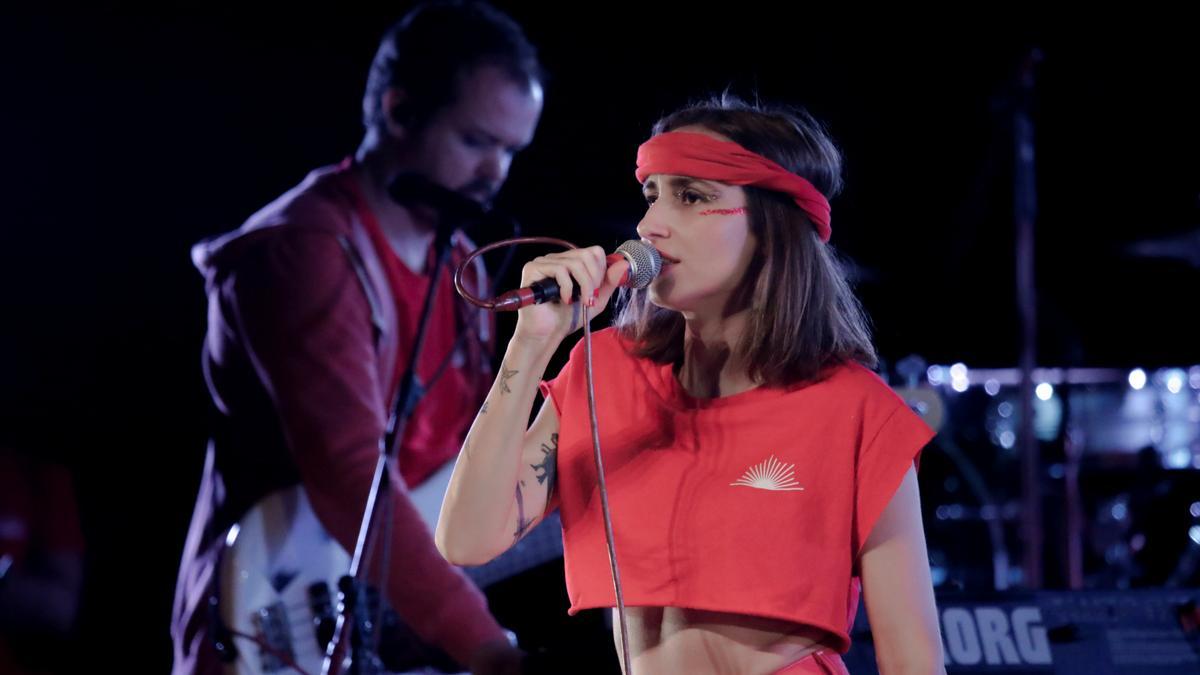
x=129 y=135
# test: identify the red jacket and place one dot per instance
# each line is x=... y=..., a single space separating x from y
x=304 y=338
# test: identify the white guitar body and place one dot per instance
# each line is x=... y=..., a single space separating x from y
x=280 y=569
x=274 y=555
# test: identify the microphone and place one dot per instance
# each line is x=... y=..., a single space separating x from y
x=454 y=210
x=412 y=189
x=644 y=265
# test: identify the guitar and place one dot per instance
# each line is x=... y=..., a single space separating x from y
x=278 y=584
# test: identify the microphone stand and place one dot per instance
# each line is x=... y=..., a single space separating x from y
x=354 y=614
x=1025 y=212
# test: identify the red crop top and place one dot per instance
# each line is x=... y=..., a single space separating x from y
x=757 y=503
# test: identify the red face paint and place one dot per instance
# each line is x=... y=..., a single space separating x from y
x=724 y=212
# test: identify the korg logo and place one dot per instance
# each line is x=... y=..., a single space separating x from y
x=995 y=636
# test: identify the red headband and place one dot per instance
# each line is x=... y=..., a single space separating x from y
x=682 y=153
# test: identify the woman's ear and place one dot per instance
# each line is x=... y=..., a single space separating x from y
x=398 y=113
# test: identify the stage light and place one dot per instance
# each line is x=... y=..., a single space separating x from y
x=1137 y=378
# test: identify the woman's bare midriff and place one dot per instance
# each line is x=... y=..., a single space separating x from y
x=666 y=640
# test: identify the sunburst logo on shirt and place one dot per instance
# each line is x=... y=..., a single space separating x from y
x=770 y=474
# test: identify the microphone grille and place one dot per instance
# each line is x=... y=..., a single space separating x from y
x=644 y=262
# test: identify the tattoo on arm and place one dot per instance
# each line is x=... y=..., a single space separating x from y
x=483 y=410
x=505 y=376
x=522 y=524
x=545 y=470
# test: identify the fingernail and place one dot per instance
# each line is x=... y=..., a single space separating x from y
x=596 y=293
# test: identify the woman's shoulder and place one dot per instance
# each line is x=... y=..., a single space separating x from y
x=856 y=381
x=607 y=342
x=613 y=355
